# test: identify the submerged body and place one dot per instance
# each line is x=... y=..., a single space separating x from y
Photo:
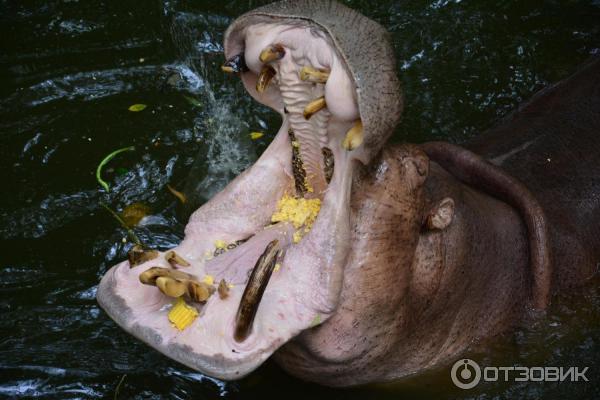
x=367 y=265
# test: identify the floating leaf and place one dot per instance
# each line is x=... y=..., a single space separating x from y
x=137 y=107
x=193 y=101
x=131 y=234
x=104 y=161
x=133 y=213
x=177 y=194
x=256 y=135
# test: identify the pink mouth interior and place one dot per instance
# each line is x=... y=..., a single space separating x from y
x=304 y=290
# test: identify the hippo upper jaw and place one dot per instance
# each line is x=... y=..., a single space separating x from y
x=291 y=207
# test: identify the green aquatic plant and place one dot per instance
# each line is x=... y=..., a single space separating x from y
x=193 y=101
x=132 y=236
x=105 y=161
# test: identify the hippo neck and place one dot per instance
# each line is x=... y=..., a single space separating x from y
x=484 y=231
x=473 y=276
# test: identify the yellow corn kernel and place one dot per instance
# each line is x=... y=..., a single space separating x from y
x=182 y=315
x=208 y=279
x=220 y=244
x=297 y=236
x=297 y=211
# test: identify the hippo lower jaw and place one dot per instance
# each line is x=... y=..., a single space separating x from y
x=309 y=162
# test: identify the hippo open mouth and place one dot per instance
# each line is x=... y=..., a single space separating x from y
x=264 y=259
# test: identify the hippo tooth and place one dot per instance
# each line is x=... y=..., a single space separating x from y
x=354 y=137
x=314 y=75
x=150 y=276
x=138 y=255
x=257 y=283
x=199 y=291
x=314 y=106
x=175 y=259
x=235 y=64
x=271 y=53
x=171 y=287
x=223 y=289
x=265 y=77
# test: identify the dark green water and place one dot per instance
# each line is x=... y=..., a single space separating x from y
x=68 y=72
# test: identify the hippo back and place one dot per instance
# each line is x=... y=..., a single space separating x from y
x=552 y=144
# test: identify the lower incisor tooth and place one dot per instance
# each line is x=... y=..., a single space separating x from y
x=354 y=137
x=314 y=107
x=149 y=276
x=138 y=255
x=171 y=287
x=175 y=259
x=199 y=291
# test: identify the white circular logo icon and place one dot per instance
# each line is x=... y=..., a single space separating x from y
x=465 y=373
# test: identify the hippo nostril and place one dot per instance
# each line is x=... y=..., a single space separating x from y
x=254 y=290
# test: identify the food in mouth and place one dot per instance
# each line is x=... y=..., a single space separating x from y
x=277 y=237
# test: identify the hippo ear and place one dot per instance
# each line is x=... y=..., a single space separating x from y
x=440 y=215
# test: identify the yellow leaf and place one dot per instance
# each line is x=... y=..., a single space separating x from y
x=256 y=135
x=137 y=107
x=177 y=194
x=133 y=213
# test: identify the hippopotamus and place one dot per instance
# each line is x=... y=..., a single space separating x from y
x=351 y=260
